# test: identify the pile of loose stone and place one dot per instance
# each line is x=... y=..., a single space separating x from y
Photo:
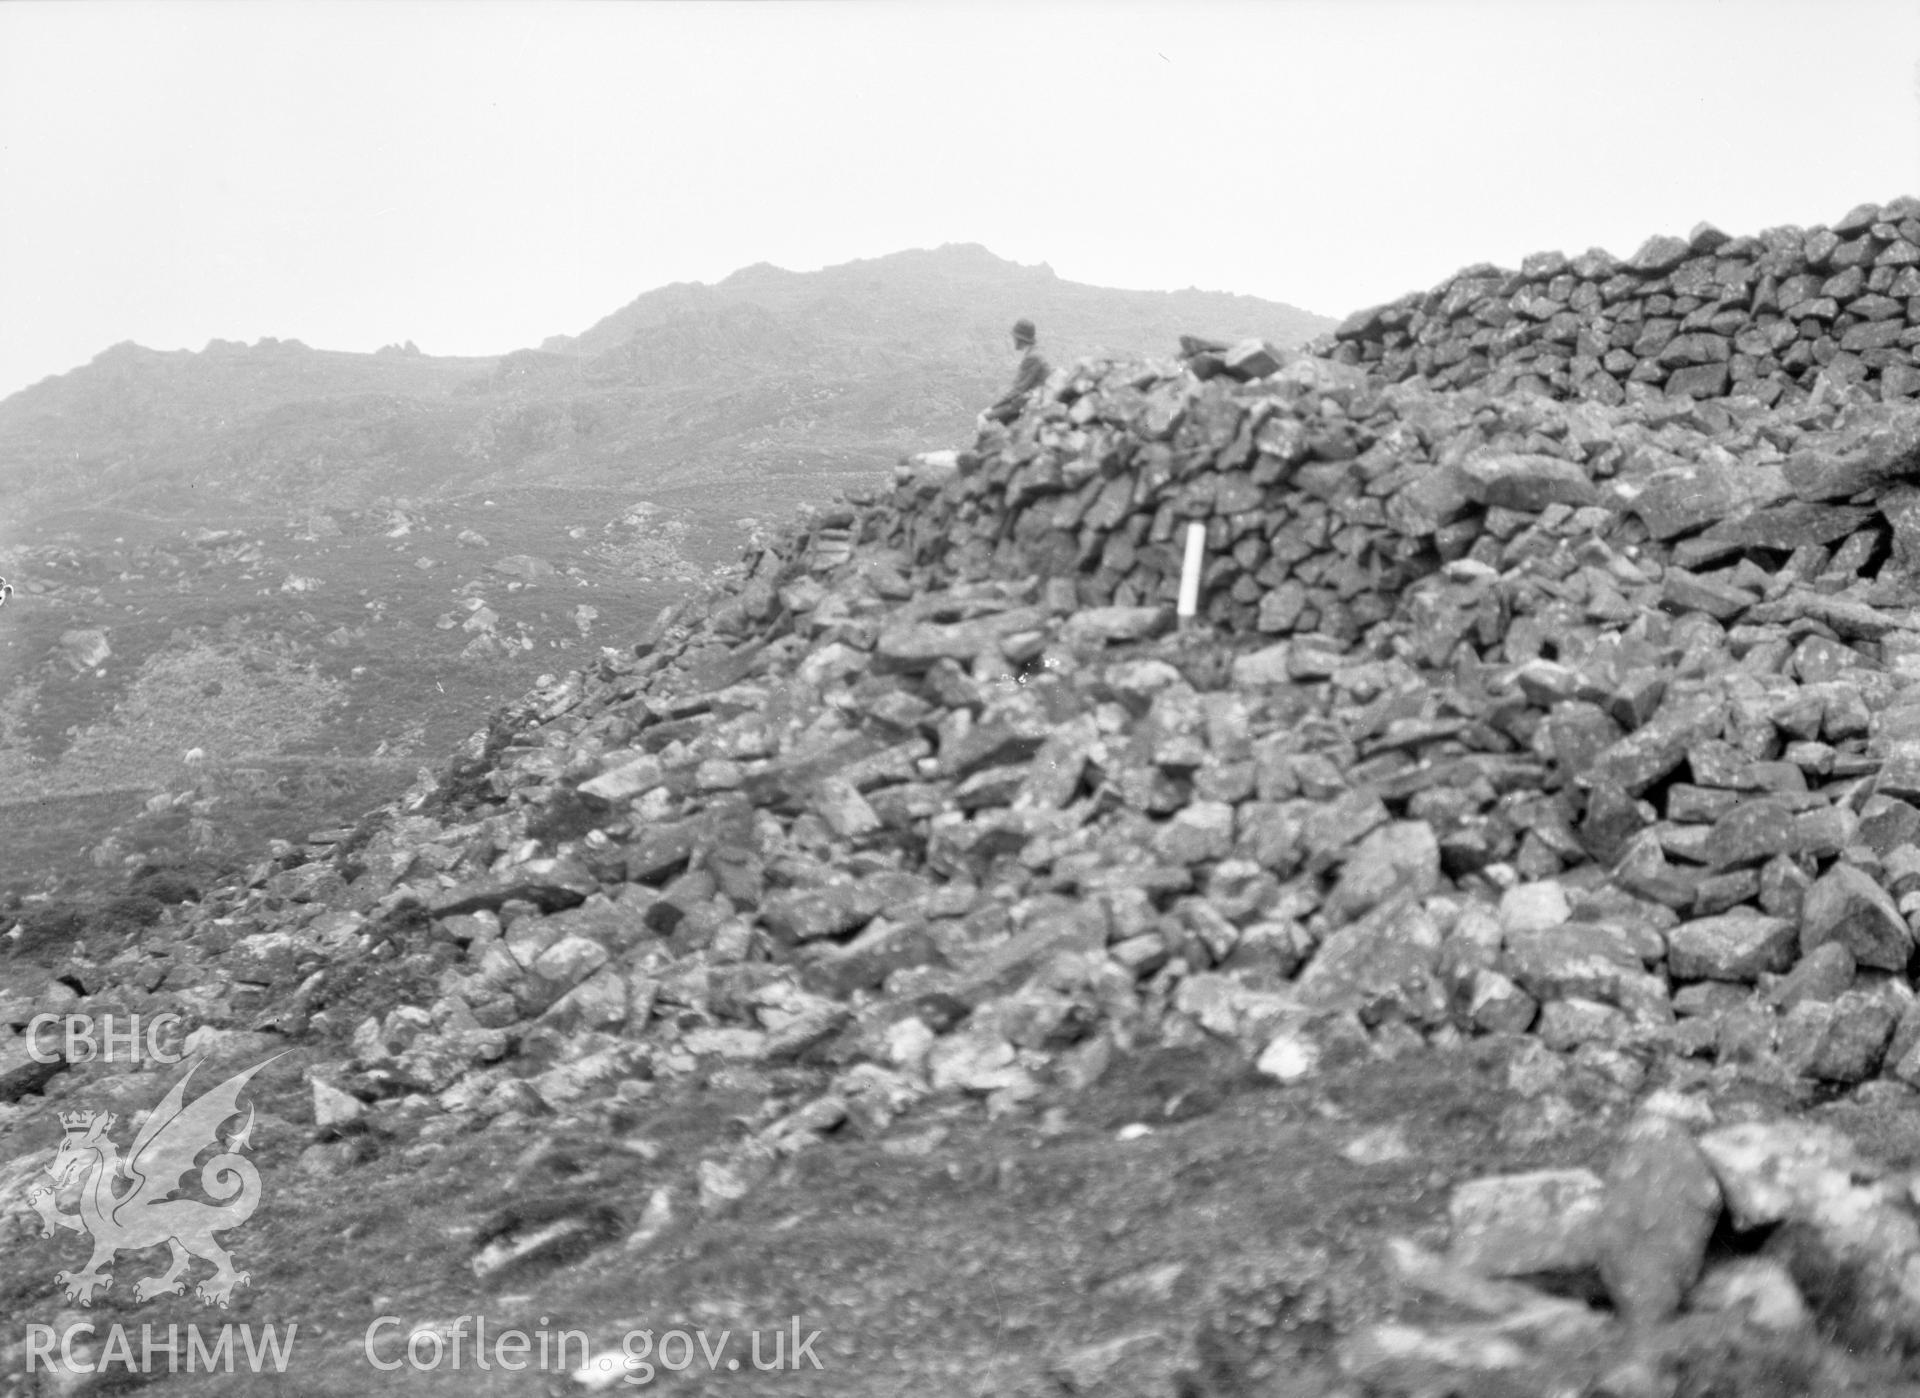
x=1704 y=316
x=1596 y=725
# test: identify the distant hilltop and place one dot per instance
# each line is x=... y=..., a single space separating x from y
x=962 y=293
x=766 y=378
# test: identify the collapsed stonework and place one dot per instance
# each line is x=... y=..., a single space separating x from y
x=1588 y=727
x=1767 y=316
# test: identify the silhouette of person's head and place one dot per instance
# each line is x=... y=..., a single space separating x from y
x=1023 y=335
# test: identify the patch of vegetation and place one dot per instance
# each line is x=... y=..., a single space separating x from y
x=48 y=930
x=122 y=917
x=165 y=885
x=227 y=703
x=349 y=992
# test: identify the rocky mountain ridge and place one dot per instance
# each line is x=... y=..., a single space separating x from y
x=763 y=377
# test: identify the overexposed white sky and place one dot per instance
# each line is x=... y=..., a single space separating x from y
x=477 y=176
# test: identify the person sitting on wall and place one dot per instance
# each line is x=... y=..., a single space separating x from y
x=1031 y=374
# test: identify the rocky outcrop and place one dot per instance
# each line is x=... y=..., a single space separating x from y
x=1705 y=316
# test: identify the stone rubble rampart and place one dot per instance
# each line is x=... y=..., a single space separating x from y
x=1588 y=727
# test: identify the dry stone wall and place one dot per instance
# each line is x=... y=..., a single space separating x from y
x=1293 y=477
x=1702 y=316
x=1325 y=495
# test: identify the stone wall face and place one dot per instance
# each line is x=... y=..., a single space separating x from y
x=1703 y=316
x=1293 y=477
x=1325 y=494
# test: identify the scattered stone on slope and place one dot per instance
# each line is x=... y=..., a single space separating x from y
x=1588 y=722
x=1662 y=1202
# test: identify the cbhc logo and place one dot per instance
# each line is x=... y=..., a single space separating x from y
x=85 y=1038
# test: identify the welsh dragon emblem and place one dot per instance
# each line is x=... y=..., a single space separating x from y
x=144 y=1215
